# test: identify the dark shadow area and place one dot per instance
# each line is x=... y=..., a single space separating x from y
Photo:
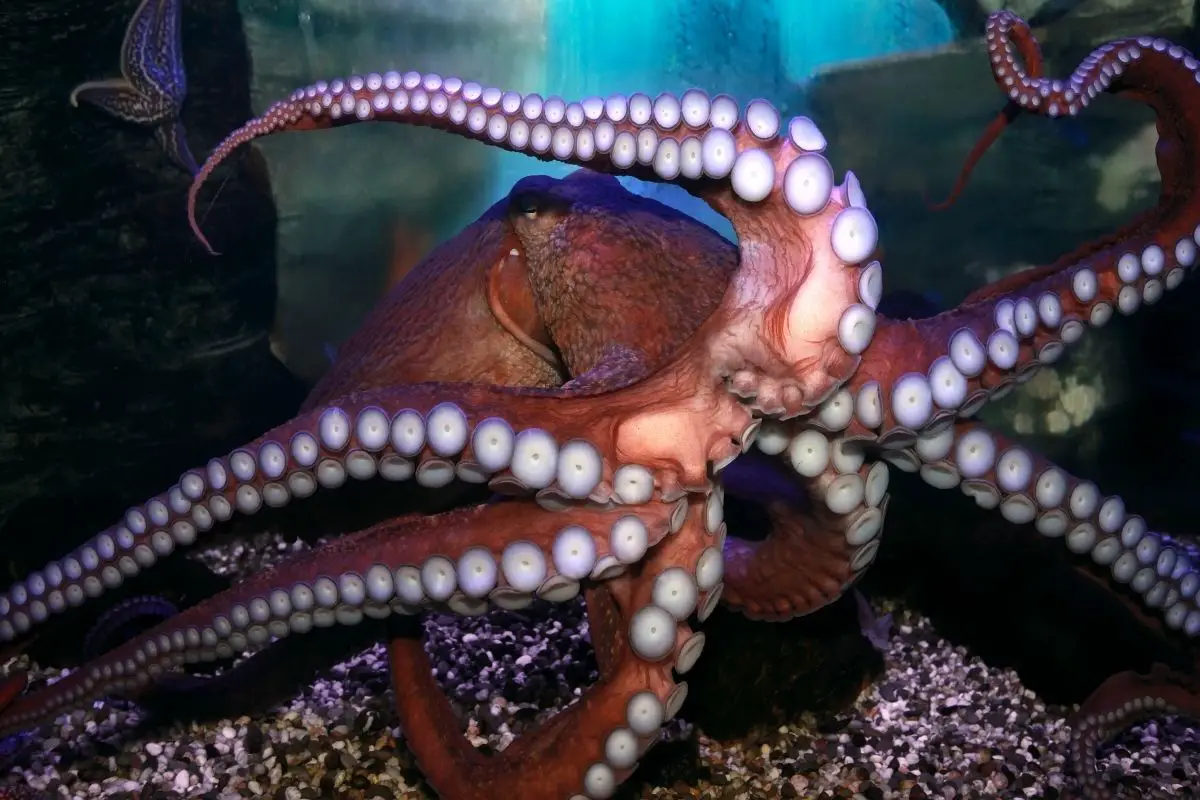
x=130 y=354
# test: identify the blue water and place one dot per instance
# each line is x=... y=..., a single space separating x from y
x=745 y=48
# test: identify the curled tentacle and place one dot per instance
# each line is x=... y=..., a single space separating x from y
x=955 y=362
x=1011 y=46
x=815 y=549
x=638 y=627
x=451 y=560
x=805 y=244
x=733 y=160
x=1161 y=574
x=1123 y=700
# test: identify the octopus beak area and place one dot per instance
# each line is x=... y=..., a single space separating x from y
x=510 y=298
x=801 y=309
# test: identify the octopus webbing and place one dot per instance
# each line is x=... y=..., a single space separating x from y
x=599 y=362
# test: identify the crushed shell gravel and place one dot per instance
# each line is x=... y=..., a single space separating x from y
x=938 y=724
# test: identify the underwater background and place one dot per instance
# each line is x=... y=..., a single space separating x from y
x=129 y=355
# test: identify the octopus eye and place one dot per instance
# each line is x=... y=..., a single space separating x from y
x=528 y=206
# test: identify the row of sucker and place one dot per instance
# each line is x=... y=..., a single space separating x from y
x=250 y=616
x=1092 y=77
x=432 y=448
x=512 y=577
x=710 y=567
x=259 y=611
x=1019 y=334
x=1090 y=731
x=645 y=716
x=1007 y=339
x=657 y=631
x=1028 y=489
x=1030 y=327
x=695 y=137
x=766 y=394
x=686 y=139
x=848 y=486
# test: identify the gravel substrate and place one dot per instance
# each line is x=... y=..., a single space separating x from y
x=938 y=724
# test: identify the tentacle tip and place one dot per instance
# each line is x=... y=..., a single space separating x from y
x=943 y=204
x=203 y=240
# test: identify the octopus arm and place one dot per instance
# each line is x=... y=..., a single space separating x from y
x=639 y=599
x=1027 y=489
x=795 y=337
x=637 y=623
x=1161 y=574
x=918 y=374
x=955 y=362
x=1123 y=700
x=815 y=548
x=544 y=442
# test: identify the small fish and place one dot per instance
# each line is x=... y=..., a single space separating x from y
x=876 y=629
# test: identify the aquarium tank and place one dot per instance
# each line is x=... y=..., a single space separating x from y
x=590 y=399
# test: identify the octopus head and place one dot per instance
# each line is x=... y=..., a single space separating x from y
x=586 y=239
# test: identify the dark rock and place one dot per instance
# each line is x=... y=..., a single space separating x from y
x=254 y=739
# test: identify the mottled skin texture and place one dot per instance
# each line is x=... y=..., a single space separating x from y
x=596 y=252
x=679 y=356
x=437 y=322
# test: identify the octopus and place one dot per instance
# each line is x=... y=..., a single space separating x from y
x=583 y=373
